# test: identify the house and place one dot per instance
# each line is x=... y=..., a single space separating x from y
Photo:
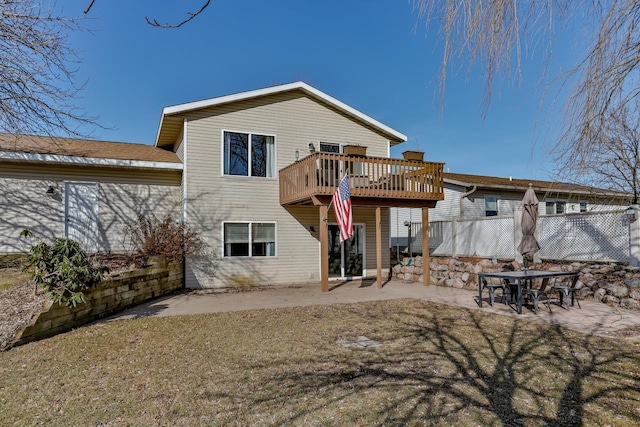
x=260 y=168
x=253 y=173
x=476 y=196
x=82 y=189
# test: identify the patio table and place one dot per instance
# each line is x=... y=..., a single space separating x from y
x=520 y=277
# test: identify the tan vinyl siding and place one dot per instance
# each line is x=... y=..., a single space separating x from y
x=295 y=121
x=180 y=150
x=90 y=173
x=25 y=204
x=123 y=195
x=121 y=204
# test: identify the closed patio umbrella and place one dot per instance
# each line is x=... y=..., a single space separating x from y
x=529 y=245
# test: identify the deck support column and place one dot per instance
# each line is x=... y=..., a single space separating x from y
x=426 y=259
x=379 y=245
x=324 y=248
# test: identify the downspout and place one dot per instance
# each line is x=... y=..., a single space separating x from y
x=464 y=196
x=184 y=170
x=184 y=195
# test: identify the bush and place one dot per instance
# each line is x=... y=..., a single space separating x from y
x=153 y=236
x=63 y=270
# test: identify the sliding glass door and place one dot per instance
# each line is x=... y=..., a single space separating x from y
x=346 y=260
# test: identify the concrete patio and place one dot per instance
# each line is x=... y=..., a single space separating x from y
x=593 y=318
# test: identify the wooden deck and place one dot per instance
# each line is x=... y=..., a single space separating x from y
x=374 y=181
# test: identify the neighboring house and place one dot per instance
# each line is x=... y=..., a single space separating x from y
x=86 y=190
x=260 y=168
x=476 y=196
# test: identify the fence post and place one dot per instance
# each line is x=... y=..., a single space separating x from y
x=634 y=235
x=454 y=238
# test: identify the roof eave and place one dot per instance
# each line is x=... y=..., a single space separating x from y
x=173 y=110
x=538 y=189
x=86 y=161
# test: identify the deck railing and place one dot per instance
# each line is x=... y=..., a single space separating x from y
x=374 y=177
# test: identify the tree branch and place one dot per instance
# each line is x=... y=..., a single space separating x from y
x=191 y=15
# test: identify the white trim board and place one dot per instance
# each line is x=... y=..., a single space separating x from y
x=93 y=161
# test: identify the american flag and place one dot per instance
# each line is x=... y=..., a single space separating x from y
x=342 y=208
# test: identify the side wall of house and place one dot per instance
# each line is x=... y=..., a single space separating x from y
x=510 y=203
x=444 y=211
x=123 y=194
x=295 y=121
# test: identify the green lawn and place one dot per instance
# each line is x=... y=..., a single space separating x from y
x=437 y=365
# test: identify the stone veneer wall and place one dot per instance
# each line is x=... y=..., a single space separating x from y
x=611 y=283
x=114 y=294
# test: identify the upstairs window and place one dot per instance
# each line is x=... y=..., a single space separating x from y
x=247 y=154
x=329 y=147
x=490 y=206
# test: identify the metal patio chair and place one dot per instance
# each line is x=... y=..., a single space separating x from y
x=492 y=287
x=566 y=291
x=534 y=294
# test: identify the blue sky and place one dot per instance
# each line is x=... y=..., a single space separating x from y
x=372 y=55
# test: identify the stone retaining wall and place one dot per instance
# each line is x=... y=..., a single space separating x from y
x=611 y=283
x=112 y=295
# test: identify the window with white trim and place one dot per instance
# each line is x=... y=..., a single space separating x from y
x=249 y=154
x=490 y=206
x=249 y=239
x=555 y=207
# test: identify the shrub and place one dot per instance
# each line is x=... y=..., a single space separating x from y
x=152 y=236
x=63 y=270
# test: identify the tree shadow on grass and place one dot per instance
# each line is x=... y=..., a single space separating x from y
x=443 y=368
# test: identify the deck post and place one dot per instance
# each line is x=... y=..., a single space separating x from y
x=379 y=244
x=426 y=259
x=324 y=248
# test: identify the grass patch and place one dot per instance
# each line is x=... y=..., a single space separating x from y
x=437 y=365
x=11 y=270
x=12 y=276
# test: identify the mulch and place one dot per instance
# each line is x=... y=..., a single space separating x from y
x=18 y=305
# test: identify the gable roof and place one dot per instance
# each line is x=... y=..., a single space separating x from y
x=168 y=129
x=33 y=148
x=520 y=185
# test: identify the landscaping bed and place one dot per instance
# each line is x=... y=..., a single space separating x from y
x=21 y=301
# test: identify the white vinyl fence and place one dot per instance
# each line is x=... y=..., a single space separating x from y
x=589 y=236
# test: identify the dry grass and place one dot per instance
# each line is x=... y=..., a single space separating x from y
x=19 y=303
x=12 y=276
x=437 y=365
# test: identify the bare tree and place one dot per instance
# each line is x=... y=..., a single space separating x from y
x=37 y=75
x=495 y=35
x=613 y=160
x=38 y=85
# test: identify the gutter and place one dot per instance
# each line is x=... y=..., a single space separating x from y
x=464 y=196
x=86 y=161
